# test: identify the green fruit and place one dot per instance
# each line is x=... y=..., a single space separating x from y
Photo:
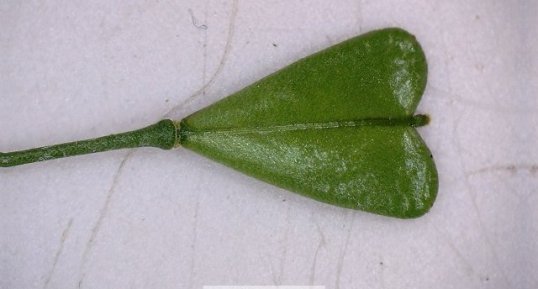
x=337 y=126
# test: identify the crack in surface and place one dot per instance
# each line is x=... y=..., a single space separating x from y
x=455 y=97
x=193 y=242
x=224 y=59
x=484 y=233
x=321 y=243
x=285 y=245
x=340 y=264
x=64 y=236
x=102 y=214
x=446 y=237
x=277 y=276
x=512 y=168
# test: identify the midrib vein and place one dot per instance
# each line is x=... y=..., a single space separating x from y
x=417 y=120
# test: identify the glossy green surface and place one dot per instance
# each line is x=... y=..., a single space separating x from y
x=336 y=126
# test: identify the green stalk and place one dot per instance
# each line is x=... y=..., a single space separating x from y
x=161 y=135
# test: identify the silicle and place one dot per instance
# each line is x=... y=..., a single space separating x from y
x=337 y=126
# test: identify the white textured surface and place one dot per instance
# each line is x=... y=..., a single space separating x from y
x=154 y=219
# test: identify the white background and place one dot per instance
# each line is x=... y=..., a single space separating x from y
x=147 y=218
